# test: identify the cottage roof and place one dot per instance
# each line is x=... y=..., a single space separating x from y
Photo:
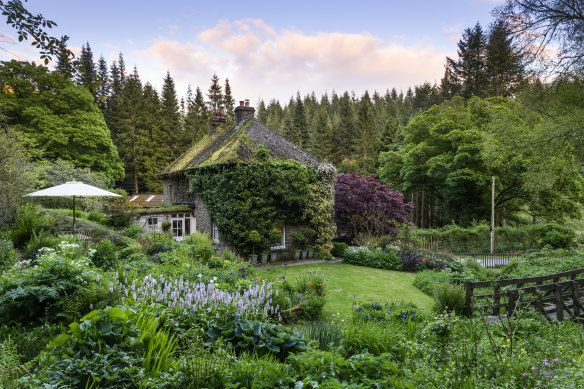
x=146 y=200
x=236 y=145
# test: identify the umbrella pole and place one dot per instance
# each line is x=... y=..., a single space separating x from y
x=73 y=215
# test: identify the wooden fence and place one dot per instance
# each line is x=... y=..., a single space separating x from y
x=87 y=237
x=557 y=296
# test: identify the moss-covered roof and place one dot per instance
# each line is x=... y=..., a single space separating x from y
x=237 y=145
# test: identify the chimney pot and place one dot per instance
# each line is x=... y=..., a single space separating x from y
x=246 y=102
x=241 y=103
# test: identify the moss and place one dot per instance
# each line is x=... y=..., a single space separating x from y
x=183 y=161
x=228 y=150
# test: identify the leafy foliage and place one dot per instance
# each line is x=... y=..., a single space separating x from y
x=60 y=117
x=111 y=347
x=258 y=196
x=363 y=204
x=375 y=258
x=258 y=337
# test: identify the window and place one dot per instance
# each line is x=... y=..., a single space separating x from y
x=150 y=198
x=282 y=244
x=177 y=227
x=152 y=224
x=215 y=233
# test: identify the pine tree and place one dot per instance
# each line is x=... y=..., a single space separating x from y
x=387 y=137
x=469 y=71
x=103 y=84
x=322 y=135
x=367 y=134
x=87 y=74
x=262 y=113
x=505 y=63
x=274 y=117
x=229 y=104
x=344 y=129
x=130 y=134
x=215 y=95
x=299 y=127
x=155 y=152
x=287 y=122
x=202 y=118
x=170 y=117
x=64 y=63
x=113 y=101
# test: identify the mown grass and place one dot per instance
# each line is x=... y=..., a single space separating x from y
x=349 y=284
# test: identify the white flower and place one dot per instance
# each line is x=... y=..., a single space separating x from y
x=200 y=275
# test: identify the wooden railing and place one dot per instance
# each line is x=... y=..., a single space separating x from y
x=553 y=295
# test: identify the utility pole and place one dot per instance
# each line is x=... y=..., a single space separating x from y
x=493 y=214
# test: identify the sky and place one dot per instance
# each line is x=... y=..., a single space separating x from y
x=267 y=49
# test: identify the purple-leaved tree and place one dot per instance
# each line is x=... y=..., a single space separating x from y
x=365 y=205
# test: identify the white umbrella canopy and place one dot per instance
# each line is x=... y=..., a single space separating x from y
x=75 y=189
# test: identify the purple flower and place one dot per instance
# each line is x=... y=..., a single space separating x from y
x=551 y=374
x=285 y=264
x=556 y=359
x=283 y=277
x=525 y=374
x=230 y=273
x=249 y=265
x=128 y=269
x=268 y=269
x=533 y=368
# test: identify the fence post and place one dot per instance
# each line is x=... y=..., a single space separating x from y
x=512 y=298
x=559 y=303
x=496 y=300
x=575 y=299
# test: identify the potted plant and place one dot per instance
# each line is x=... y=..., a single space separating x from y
x=275 y=239
x=264 y=256
x=299 y=241
x=165 y=226
x=254 y=239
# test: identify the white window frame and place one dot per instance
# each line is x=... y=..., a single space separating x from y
x=152 y=227
x=282 y=244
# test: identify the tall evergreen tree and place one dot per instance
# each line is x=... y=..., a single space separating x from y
x=155 y=152
x=287 y=122
x=274 y=116
x=64 y=64
x=505 y=63
x=299 y=127
x=322 y=135
x=113 y=101
x=229 y=104
x=103 y=84
x=344 y=129
x=170 y=117
x=130 y=134
x=386 y=140
x=469 y=70
x=262 y=113
x=367 y=144
x=202 y=118
x=215 y=94
x=87 y=73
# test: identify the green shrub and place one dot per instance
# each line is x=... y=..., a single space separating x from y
x=105 y=255
x=449 y=298
x=38 y=241
x=28 y=219
x=299 y=239
x=199 y=238
x=428 y=280
x=29 y=294
x=258 y=337
x=158 y=243
x=209 y=368
x=113 y=347
x=376 y=258
x=339 y=249
x=29 y=341
x=98 y=217
x=330 y=370
x=309 y=235
x=133 y=231
x=259 y=371
x=559 y=238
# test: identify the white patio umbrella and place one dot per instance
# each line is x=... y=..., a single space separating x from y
x=75 y=189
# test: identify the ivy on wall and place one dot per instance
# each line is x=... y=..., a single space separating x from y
x=247 y=196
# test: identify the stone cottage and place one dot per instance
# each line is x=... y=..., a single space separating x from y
x=223 y=146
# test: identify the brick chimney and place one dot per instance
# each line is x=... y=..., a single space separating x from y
x=217 y=120
x=243 y=112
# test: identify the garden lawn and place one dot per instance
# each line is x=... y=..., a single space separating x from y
x=348 y=284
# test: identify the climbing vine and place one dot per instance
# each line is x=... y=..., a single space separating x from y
x=256 y=196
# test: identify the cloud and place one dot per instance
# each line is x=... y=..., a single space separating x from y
x=262 y=62
x=453 y=33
